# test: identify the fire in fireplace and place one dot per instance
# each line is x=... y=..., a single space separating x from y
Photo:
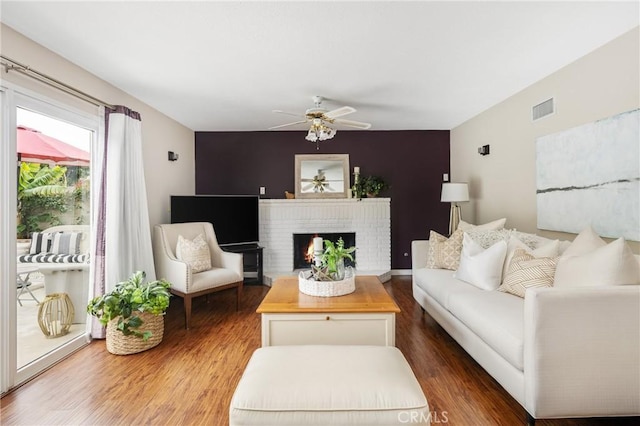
x=303 y=247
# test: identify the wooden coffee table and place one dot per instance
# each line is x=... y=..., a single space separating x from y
x=364 y=317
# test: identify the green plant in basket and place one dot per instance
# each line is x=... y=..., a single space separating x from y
x=128 y=298
x=332 y=260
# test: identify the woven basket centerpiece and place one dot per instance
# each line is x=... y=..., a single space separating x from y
x=308 y=285
x=329 y=276
x=119 y=344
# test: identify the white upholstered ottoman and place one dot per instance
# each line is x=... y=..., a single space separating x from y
x=328 y=385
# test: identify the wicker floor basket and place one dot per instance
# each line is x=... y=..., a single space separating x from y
x=119 y=344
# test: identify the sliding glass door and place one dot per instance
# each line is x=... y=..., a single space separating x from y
x=46 y=168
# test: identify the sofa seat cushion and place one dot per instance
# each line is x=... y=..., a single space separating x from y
x=202 y=280
x=53 y=258
x=496 y=317
x=440 y=284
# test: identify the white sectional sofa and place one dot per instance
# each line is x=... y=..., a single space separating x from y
x=561 y=352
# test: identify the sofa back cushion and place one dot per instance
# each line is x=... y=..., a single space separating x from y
x=493 y=225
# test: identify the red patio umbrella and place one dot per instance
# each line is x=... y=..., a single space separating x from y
x=36 y=147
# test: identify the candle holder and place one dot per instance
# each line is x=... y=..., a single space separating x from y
x=317 y=250
x=355 y=189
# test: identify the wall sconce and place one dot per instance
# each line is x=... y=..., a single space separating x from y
x=483 y=150
x=172 y=156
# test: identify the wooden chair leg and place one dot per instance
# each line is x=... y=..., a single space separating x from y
x=187 y=310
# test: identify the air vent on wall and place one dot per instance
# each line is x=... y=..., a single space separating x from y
x=543 y=109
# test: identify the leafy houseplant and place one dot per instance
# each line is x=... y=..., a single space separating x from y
x=332 y=261
x=370 y=186
x=40 y=194
x=128 y=300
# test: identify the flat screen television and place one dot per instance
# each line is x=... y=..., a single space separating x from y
x=234 y=217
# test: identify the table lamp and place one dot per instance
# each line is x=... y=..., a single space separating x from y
x=454 y=193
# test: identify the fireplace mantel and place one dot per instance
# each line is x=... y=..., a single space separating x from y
x=369 y=218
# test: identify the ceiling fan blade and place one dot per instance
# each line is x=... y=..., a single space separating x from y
x=288 y=124
x=278 y=111
x=356 y=124
x=339 y=112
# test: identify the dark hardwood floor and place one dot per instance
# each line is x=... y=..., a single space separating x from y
x=190 y=377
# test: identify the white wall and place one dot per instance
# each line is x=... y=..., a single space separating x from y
x=159 y=133
x=503 y=184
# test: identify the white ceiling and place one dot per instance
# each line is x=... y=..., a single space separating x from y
x=223 y=66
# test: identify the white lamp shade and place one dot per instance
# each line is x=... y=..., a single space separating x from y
x=454 y=192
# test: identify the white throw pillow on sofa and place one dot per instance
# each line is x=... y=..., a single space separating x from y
x=496 y=224
x=481 y=267
x=604 y=265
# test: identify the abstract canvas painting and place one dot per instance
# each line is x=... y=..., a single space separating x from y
x=590 y=175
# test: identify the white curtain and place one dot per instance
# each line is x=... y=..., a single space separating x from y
x=123 y=234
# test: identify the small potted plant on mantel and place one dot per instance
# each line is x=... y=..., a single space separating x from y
x=133 y=313
x=331 y=277
x=369 y=186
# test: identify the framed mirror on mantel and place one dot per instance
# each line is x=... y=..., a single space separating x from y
x=322 y=175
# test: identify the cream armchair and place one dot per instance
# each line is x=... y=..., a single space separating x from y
x=226 y=271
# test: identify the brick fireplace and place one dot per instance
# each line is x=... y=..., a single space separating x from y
x=369 y=219
x=303 y=256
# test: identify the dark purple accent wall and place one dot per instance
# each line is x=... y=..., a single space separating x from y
x=411 y=161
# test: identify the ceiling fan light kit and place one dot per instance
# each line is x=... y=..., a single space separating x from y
x=320 y=131
x=320 y=119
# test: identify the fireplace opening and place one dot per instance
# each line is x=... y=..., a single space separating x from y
x=303 y=247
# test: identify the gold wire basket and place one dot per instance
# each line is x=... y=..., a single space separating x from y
x=55 y=315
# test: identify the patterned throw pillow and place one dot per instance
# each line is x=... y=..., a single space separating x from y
x=66 y=243
x=487 y=238
x=195 y=252
x=40 y=242
x=444 y=253
x=527 y=271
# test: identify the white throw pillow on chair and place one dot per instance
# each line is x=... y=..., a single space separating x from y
x=195 y=252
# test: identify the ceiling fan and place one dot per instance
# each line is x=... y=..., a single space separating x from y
x=319 y=183
x=320 y=118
